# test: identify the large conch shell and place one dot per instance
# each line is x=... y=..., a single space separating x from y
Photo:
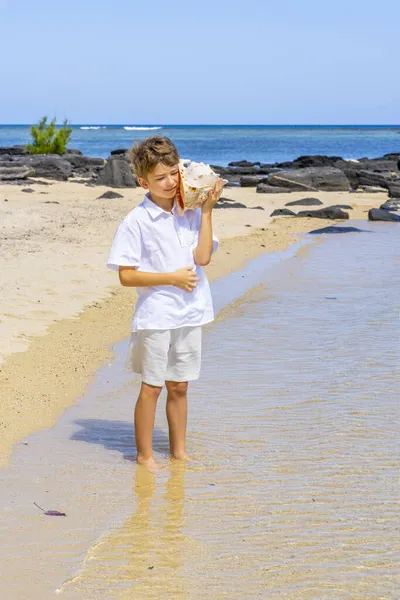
x=195 y=181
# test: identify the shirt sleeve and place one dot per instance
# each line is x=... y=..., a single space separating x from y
x=197 y=229
x=126 y=247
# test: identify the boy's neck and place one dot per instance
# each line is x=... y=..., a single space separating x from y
x=166 y=204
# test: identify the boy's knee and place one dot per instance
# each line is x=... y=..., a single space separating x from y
x=177 y=388
x=151 y=391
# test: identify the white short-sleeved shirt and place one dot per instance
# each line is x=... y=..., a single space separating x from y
x=156 y=241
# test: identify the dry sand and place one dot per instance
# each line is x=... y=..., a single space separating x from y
x=61 y=308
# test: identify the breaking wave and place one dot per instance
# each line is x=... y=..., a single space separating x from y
x=93 y=127
x=141 y=128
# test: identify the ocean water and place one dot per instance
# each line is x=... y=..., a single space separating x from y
x=294 y=425
x=223 y=144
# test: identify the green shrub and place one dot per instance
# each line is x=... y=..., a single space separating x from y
x=47 y=139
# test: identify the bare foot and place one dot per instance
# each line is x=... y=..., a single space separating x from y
x=182 y=456
x=149 y=464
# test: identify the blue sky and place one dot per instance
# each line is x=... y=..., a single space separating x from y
x=249 y=62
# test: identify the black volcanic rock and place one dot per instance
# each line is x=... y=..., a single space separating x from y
x=377 y=214
x=116 y=173
x=119 y=151
x=264 y=188
x=110 y=195
x=315 y=161
x=241 y=170
x=305 y=202
x=313 y=178
x=393 y=204
x=282 y=212
x=243 y=163
x=329 y=212
x=13 y=150
x=336 y=229
x=225 y=203
x=252 y=180
x=70 y=151
x=50 y=166
x=10 y=172
x=394 y=189
x=392 y=156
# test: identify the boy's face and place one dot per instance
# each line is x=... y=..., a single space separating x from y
x=161 y=182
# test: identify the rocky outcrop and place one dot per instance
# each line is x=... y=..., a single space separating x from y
x=110 y=195
x=238 y=171
x=13 y=151
x=317 y=172
x=316 y=160
x=119 y=151
x=252 y=180
x=282 y=212
x=116 y=173
x=264 y=188
x=305 y=173
x=393 y=205
x=69 y=151
x=311 y=178
x=84 y=165
x=393 y=156
x=50 y=166
x=336 y=229
x=379 y=172
x=17 y=172
x=378 y=214
x=305 y=202
x=329 y=212
x=394 y=189
x=243 y=163
x=227 y=203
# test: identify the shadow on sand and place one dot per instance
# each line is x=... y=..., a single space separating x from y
x=117 y=435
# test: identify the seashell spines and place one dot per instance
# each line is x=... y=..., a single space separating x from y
x=196 y=180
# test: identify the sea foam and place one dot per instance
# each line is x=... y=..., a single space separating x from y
x=141 y=128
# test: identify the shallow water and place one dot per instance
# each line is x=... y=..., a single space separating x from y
x=294 y=425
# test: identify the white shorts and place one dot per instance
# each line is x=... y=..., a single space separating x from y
x=160 y=355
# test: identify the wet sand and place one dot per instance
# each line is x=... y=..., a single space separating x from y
x=61 y=308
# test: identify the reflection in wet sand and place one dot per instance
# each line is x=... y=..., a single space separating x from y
x=143 y=558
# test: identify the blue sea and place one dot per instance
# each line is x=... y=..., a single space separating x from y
x=220 y=144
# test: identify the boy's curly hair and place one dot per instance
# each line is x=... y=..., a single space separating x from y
x=146 y=155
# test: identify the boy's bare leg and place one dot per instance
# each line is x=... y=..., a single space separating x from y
x=177 y=417
x=145 y=412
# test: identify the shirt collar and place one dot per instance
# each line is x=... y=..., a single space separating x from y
x=154 y=210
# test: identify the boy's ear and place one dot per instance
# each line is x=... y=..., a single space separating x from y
x=143 y=183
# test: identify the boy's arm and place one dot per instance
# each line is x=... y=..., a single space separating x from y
x=203 y=251
x=185 y=278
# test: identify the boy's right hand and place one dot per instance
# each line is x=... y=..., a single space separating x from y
x=185 y=279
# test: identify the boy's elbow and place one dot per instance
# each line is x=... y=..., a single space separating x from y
x=126 y=277
x=203 y=262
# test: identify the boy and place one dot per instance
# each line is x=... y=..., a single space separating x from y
x=162 y=254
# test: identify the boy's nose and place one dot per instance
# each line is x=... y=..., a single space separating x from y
x=171 y=182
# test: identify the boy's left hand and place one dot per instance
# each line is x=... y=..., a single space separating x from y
x=213 y=195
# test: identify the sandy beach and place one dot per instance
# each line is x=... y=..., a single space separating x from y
x=61 y=308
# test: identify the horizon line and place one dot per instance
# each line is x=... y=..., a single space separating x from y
x=214 y=124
